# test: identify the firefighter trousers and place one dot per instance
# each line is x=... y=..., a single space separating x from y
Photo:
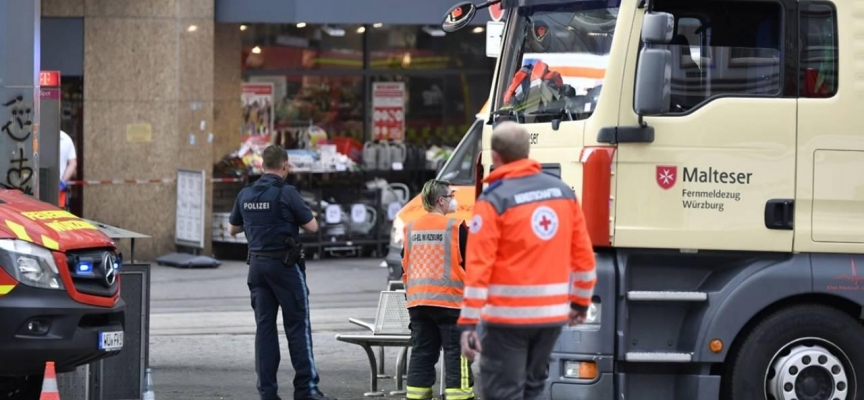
x=504 y=350
x=434 y=328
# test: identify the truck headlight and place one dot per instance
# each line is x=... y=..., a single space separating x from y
x=396 y=233
x=580 y=369
x=30 y=264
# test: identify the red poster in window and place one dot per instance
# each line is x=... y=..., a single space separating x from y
x=388 y=110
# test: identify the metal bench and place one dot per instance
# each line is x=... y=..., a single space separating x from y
x=389 y=329
x=369 y=323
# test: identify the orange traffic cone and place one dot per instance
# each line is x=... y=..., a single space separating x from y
x=49 y=383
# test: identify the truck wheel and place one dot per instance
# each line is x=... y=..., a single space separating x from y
x=21 y=388
x=803 y=352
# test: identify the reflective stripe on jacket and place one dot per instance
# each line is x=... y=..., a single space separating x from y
x=432 y=262
x=529 y=258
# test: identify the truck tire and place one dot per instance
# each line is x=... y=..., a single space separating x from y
x=21 y=388
x=805 y=352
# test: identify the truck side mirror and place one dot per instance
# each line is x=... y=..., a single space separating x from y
x=658 y=28
x=653 y=81
x=654 y=72
x=459 y=16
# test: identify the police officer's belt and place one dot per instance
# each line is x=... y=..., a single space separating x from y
x=291 y=256
x=270 y=254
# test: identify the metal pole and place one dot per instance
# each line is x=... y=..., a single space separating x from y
x=19 y=94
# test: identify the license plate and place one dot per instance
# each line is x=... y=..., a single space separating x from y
x=110 y=341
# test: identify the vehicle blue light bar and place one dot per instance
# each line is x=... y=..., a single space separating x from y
x=84 y=267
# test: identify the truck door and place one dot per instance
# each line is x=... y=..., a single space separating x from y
x=720 y=170
x=830 y=205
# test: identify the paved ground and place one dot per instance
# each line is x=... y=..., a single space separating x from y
x=202 y=330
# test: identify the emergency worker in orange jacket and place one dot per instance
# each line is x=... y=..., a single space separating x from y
x=433 y=260
x=530 y=270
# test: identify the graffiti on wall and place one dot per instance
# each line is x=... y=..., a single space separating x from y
x=19 y=128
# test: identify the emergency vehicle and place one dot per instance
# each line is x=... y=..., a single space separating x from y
x=460 y=170
x=719 y=165
x=59 y=293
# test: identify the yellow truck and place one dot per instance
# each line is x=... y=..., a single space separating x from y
x=721 y=169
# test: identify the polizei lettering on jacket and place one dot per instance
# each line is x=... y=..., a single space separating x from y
x=713 y=176
x=256 y=206
x=537 y=195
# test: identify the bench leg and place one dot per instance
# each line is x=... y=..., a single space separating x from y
x=373 y=374
x=382 y=374
x=401 y=369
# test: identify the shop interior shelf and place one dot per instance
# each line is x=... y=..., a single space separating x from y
x=358 y=224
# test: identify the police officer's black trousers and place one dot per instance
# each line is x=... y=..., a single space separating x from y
x=514 y=362
x=434 y=328
x=274 y=284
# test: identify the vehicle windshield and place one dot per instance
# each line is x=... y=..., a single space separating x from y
x=460 y=168
x=559 y=63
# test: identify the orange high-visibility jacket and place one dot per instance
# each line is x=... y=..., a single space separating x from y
x=433 y=273
x=526 y=75
x=529 y=258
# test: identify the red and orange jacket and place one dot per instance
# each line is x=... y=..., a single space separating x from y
x=529 y=257
x=528 y=75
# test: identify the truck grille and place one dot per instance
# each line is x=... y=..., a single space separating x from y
x=89 y=274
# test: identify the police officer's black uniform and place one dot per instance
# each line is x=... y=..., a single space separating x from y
x=270 y=212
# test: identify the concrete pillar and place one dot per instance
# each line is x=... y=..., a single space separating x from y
x=228 y=78
x=19 y=85
x=148 y=94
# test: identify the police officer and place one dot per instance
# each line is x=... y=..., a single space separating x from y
x=530 y=270
x=433 y=261
x=270 y=212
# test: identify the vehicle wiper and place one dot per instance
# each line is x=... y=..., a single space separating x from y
x=520 y=117
x=556 y=114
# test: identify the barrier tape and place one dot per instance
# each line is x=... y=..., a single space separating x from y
x=143 y=181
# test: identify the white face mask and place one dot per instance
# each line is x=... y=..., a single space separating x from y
x=453 y=205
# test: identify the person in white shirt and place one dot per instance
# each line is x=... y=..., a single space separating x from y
x=68 y=164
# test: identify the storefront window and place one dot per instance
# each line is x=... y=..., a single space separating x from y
x=332 y=103
x=427 y=48
x=302 y=46
x=72 y=122
x=440 y=109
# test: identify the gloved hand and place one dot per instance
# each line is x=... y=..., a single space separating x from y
x=470 y=344
x=576 y=317
x=62 y=185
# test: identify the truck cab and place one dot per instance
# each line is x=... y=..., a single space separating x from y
x=714 y=147
x=59 y=293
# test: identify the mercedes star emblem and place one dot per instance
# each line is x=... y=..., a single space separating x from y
x=108 y=261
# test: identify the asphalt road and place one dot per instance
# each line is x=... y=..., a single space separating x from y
x=202 y=330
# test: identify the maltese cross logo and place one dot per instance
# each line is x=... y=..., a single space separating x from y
x=666 y=176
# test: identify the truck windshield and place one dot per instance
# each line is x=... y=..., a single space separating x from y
x=559 y=61
x=459 y=169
